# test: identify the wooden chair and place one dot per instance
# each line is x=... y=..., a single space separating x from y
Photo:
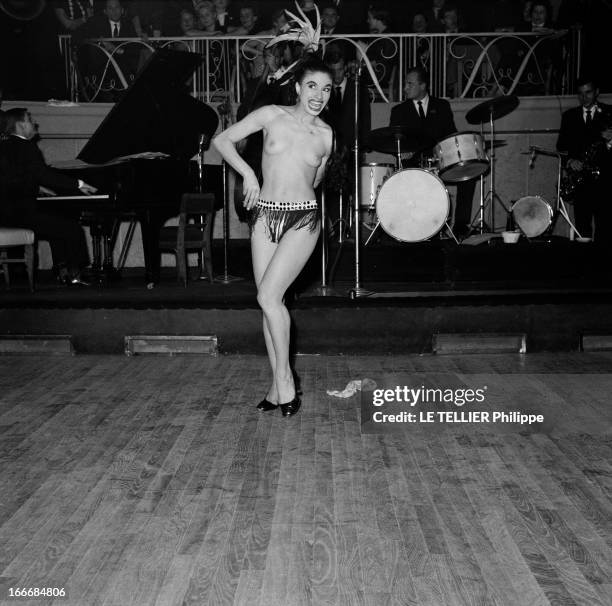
x=11 y=237
x=194 y=232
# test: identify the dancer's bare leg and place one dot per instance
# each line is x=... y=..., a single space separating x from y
x=262 y=250
x=288 y=260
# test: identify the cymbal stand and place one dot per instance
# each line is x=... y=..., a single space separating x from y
x=480 y=213
x=357 y=290
x=492 y=196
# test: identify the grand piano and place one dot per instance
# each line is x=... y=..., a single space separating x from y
x=139 y=160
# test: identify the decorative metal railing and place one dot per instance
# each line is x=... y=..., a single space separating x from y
x=460 y=65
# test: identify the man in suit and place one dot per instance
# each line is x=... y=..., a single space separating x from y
x=225 y=20
x=340 y=115
x=22 y=172
x=434 y=118
x=582 y=137
x=111 y=24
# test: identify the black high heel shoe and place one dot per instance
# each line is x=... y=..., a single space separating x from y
x=265 y=405
x=291 y=408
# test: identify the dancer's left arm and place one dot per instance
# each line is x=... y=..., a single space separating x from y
x=328 y=149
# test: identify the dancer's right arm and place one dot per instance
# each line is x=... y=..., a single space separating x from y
x=225 y=143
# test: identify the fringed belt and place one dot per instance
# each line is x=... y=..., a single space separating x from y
x=279 y=217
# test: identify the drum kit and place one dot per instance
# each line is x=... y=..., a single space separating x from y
x=413 y=204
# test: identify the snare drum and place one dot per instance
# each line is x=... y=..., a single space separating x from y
x=461 y=157
x=372 y=176
x=533 y=215
x=412 y=205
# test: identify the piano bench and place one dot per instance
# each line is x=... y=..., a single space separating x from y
x=194 y=232
x=12 y=237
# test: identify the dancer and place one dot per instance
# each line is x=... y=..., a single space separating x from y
x=285 y=220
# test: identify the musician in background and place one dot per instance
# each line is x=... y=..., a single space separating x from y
x=22 y=173
x=340 y=115
x=582 y=137
x=434 y=118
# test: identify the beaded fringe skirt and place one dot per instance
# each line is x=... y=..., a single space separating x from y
x=278 y=217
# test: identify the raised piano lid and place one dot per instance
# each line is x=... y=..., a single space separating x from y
x=156 y=114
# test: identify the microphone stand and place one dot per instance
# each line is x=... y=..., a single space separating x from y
x=202 y=145
x=357 y=290
x=323 y=290
x=226 y=278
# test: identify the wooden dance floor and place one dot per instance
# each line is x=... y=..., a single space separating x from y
x=154 y=481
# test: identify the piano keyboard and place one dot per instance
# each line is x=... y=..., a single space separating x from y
x=74 y=198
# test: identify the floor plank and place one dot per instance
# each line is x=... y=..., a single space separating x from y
x=154 y=481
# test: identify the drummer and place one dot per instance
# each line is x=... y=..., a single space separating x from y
x=434 y=118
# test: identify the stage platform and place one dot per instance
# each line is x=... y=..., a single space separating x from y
x=552 y=292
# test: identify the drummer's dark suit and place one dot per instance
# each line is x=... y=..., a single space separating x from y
x=439 y=123
x=591 y=199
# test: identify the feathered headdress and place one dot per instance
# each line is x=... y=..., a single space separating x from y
x=309 y=37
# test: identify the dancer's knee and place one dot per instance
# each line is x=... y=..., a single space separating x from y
x=268 y=301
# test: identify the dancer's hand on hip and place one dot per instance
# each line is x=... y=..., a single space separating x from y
x=250 y=189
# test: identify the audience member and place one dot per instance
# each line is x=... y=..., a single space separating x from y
x=225 y=19
x=524 y=24
x=206 y=20
x=187 y=22
x=113 y=23
x=249 y=21
x=541 y=17
x=450 y=20
x=73 y=14
x=329 y=20
x=419 y=24
x=433 y=11
x=22 y=172
x=382 y=52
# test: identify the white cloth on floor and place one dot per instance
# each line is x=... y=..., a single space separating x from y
x=353 y=387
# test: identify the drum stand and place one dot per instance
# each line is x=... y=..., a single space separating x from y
x=491 y=196
x=480 y=213
x=560 y=209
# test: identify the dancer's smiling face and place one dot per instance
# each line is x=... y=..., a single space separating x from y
x=314 y=89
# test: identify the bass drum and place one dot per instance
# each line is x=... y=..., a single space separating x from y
x=412 y=205
x=533 y=215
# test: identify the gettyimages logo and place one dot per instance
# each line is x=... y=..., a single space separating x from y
x=412 y=397
x=401 y=407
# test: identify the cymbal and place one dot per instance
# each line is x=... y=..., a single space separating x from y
x=389 y=138
x=492 y=108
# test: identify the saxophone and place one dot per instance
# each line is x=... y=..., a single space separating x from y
x=574 y=180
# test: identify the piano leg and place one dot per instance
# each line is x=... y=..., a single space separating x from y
x=96 y=245
x=151 y=222
x=101 y=229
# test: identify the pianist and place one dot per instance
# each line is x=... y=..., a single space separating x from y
x=23 y=172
